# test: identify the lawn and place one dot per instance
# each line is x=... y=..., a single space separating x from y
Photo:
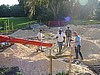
x=18 y=22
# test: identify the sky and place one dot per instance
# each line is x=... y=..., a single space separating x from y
x=9 y=2
x=13 y=2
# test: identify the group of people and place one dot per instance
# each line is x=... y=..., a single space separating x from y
x=66 y=37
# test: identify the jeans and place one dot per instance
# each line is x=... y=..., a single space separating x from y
x=68 y=40
x=60 y=44
x=77 y=51
x=40 y=47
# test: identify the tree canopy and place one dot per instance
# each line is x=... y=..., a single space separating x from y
x=11 y=11
x=58 y=9
x=51 y=9
x=97 y=12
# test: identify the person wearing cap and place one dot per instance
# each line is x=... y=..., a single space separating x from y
x=68 y=34
x=60 y=29
x=77 y=45
x=60 y=39
x=39 y=37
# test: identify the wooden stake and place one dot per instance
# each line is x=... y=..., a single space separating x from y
x=51 y=66
x=50 y=63
x=6 y=28
x=59 y=56
x=70 y=63
x=12 y=26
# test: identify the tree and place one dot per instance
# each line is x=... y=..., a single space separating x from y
x=84 y=11
x=4 y=10
x=17 y=11
x=58 y=8
x=30 y=5
x=11 y=11
x=97 y=12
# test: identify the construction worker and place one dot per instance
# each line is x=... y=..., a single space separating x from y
x=59 y=29
x=60 y=39
x=77 y=45
x=39 y=37
x=68 y=34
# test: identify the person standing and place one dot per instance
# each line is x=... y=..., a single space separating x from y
x=77 y=45
x=39 y=37
x=68 y=34
x=60 y=29
x=60 y=39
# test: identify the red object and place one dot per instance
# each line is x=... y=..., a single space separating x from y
x=4 y=38
x=56 y=23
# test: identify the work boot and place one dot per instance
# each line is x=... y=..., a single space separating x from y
x=41 y=50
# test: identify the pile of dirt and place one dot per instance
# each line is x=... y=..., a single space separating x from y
x=89 y=48
x=43 y=27
x=80 y=29
x=93 y=33
x=24 y=34
x=86 y=31
x=93 y=59
x=93 y=26
x=81 y=70
x=32 y=63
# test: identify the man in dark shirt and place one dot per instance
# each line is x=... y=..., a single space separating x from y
x=68 y=34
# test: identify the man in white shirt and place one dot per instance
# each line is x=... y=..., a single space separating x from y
x=60 y=39
x=39 y=37
x=78 y=45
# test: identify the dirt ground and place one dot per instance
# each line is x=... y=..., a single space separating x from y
x=33 y=63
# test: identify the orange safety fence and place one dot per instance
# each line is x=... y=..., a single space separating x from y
x=4 y=38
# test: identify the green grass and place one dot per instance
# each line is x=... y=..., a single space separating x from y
x=18 y=22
